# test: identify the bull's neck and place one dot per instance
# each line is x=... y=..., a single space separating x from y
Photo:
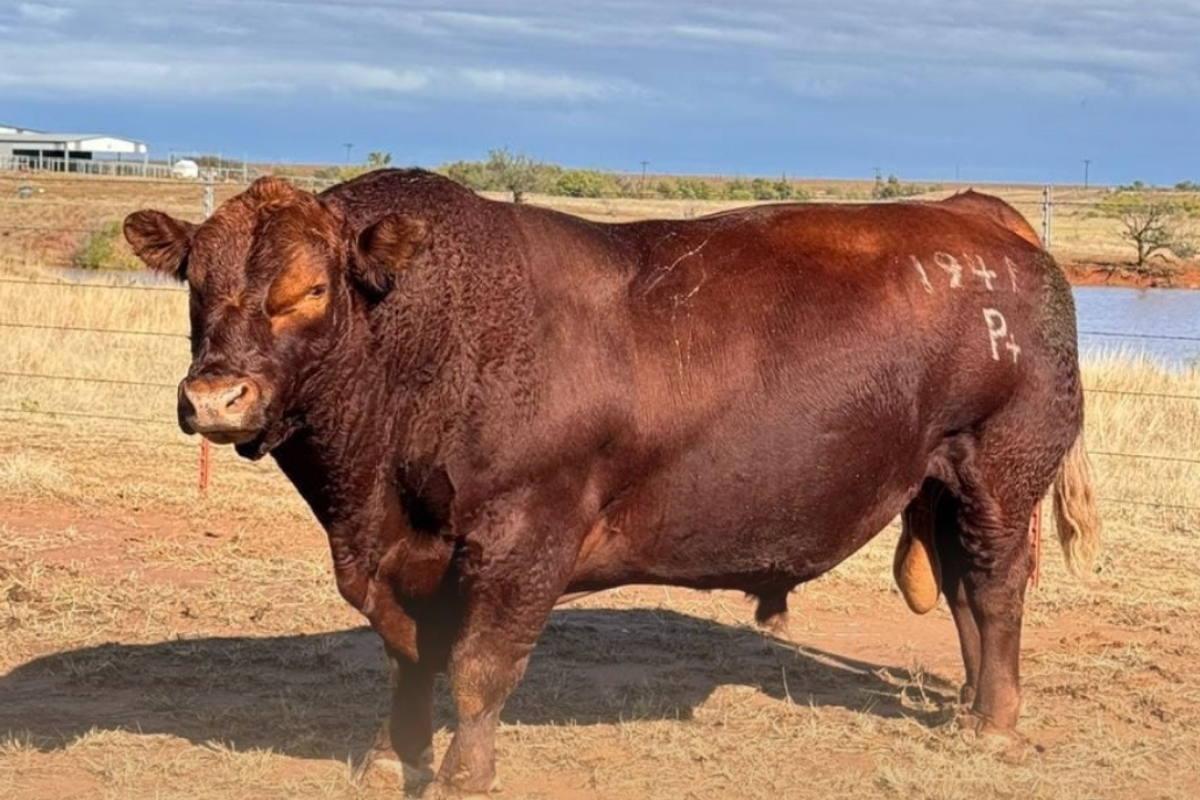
x=366 y=412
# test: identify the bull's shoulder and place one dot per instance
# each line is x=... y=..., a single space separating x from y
x=993 y=208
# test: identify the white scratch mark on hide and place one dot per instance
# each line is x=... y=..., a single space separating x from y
x=663 y=272
x=683 y=355
x=1012 y=272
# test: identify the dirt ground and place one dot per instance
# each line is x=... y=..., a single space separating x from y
x=161 y=645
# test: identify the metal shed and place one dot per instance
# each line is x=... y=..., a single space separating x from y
x=48 y=150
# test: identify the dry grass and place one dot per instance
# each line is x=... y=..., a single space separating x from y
x=74 y=205
x=155 y=644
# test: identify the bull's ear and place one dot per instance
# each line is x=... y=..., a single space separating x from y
x=384 y=249
x=161 y=241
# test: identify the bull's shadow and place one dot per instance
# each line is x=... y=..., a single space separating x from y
x=321 y=695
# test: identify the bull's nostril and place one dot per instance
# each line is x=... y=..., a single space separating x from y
x=239 y=397
x=235 y=395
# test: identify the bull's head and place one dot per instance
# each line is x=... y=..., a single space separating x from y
x=277 y=278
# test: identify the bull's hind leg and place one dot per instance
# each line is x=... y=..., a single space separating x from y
x=953 y=559
x=1000 y=478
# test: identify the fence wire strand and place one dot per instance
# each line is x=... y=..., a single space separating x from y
x=85 y=379
x=79 y=329
x=86 y=415
x=178 y=289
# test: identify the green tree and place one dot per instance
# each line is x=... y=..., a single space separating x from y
x=667 y=188
x=585 y=183
x=738 y=189
x=377 y=159
x=472 y=174
x=515 y=172
x=762 y=189
x=693 y=189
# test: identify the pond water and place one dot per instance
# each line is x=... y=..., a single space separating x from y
x=1163 y=324
x=1158 y=323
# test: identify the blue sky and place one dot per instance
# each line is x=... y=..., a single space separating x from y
x=1000 y=90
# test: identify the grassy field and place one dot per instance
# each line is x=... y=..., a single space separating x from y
x=154 y=643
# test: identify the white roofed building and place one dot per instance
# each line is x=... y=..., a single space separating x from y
x=41 y=150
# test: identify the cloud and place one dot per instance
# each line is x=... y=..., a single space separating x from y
x=47 y=15
x=369 y=78
x=690 y=54
x=729 y=35
x=159 y=72
x=530 y=86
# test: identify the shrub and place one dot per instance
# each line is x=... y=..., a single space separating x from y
x=586 y=183
x=667 y=189
x=693 y=189
x=104 y=248
x=472 y=174
x=738 y=189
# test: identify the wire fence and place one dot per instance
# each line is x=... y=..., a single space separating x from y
x=165 y=422
x=45 y=217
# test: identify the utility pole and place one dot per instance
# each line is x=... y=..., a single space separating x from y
x=349 y=146
x=1087 y=162
x=642 y=185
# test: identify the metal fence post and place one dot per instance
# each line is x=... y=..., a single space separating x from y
x=1047 y=215
x=205 y=447
x=209 y=200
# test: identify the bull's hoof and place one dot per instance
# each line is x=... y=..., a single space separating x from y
x=385 y=772
x=1006 y=744
x=443 y=791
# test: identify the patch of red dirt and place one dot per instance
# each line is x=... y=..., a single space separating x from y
x=1158 y=275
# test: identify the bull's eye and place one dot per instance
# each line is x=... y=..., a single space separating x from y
x=318 y=291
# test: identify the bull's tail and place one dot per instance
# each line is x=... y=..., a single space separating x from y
x=1075 y=513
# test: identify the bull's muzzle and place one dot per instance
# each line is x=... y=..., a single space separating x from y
x=222 y=410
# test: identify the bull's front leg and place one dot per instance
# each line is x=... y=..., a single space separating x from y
x=417 y=648
x=517 y=567
x=403 y=747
